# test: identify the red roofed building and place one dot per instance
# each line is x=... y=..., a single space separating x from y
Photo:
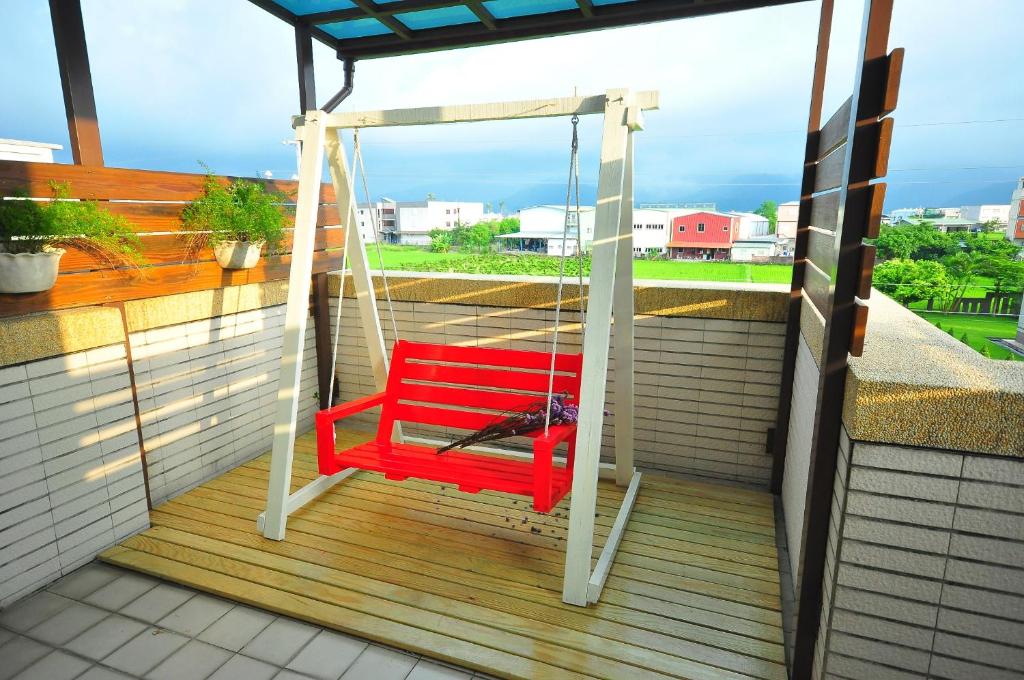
x=703 y=236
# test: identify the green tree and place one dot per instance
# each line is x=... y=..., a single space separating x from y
x=916 y=242
x=986 y=245
x=1007 y=275
x=960 y=271
x=440 y=240
x=769 y=209
x=907 y=281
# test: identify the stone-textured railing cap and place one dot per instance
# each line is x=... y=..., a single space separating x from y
x=917 y=385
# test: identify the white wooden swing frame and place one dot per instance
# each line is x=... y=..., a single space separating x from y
x=610 y=295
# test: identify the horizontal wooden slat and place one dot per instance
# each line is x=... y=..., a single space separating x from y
x=489 y=357
x=870 y=160
x=92 y=288
x=867 y=268
x=860 y=328
x=885 y=72
x=486 y=377
x=834 y=132
x=163 y=217
x=866 y=203
x=457 y=396
x=104 y=183
x=816 y=288
x=165 y=249
x=820 y=249
x=825 y=211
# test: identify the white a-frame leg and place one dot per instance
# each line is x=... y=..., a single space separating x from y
x=611 y=289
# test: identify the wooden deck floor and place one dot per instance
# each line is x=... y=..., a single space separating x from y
x=475 y=580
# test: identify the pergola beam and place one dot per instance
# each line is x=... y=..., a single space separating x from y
x=468 y=113
x=304 y=60
x=373 y=11
x=76 y=81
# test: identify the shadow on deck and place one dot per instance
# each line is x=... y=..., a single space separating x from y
x=475 y=580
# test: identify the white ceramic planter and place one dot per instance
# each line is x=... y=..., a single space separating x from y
x=29 y=272
x=238 y=254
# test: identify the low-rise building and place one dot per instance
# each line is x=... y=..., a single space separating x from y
x=29 y=152
x=944 y=224
x=703 y=235
x=651 y=229
x=986 y=213
x=1015 y=223
x=541 y=230
x=410 y=222
x=757 y=248
x=752 y=225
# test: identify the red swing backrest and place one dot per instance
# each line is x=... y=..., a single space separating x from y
x=468 y=387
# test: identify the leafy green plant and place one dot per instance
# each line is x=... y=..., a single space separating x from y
x=240 y=211
x=28 y=226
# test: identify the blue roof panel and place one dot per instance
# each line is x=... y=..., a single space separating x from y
x=508 y=9
x=610 y=2
x=437 y=18
x=356 y=28
x=302 y=7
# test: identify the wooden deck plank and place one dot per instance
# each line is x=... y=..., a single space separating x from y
x=475 y=579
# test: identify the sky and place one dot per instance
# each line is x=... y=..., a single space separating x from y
x=182 y=81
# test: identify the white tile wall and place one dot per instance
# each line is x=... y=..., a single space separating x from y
x=706 y=389
x=207 y=392
x=925 y=571
x=70 y=468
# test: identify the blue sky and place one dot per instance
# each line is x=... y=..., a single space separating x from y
x=182 y=80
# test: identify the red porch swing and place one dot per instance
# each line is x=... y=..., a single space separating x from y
x=466 y=388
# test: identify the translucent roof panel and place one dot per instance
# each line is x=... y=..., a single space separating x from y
x=302 y=7
x=437 y=18
x=356 y=28
x=365 y=29
x=506 y=9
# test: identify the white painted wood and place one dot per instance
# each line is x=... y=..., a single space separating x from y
x=307 y=205
x=362 y=279
x=464 y=113
x=305 y=494
x=611 y=546
x=623 y=342
x=580 y=543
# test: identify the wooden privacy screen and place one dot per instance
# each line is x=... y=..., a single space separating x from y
x=830 y=230
x=152 y=201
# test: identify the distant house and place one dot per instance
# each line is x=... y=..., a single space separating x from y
x=1015 y=225
x=755 y=248
x=29 y=152
x=410 y=222
x=944 y=224
x=651 y=230
x=703 y=235
x=752 y=225
x=541 y=230
x=986 y=213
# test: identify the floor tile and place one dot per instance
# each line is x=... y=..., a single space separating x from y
x=235 y=629
x=106 y=636
x=157 y=603
x=56 y=665
x=327 y=656
x=5 y=635
x=291 y=675
x=121 y=591
x=18 y=654
x=194 y=660
x=241 y=667
x=101 y=673
x=280 y=641
x=33 y=610
x=196 y=615
x=84 y=581
x=428 y=670
x=145 y=651
x=67 y=624
x=380 y=663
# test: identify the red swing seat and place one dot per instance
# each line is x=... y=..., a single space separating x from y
x=465 y=388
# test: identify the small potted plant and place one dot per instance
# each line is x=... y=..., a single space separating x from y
x=35 y=234
x=236 y=220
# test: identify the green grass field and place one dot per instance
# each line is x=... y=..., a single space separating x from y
x=979 y=328
x=409 y=258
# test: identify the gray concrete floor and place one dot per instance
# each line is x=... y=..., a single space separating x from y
x=105 y=623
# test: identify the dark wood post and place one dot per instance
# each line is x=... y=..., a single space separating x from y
x=76 y=81
x=322 y=335
x=304 y=58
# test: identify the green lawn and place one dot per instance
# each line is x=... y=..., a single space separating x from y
x=409 y=258
x=979 y=328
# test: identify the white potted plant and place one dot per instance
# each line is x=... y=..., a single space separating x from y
x=35 y=234
x=236 y=220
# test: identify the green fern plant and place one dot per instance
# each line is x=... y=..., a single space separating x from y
x=240 y=211
x=29 y=226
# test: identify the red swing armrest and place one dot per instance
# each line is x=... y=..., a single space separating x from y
x=350 y=407
x=555 y=436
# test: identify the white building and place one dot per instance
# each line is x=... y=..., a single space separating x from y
x=785 y=225
x=752 y=225
x=986 y=213
x=652 y=228
x=755 y=248
x=410 y=222
x=28 y=152
x=1015 y=225
x=540 y=230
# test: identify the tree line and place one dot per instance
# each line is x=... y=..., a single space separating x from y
x=477 y=238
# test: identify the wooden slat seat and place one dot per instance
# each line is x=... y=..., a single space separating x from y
x=464 y=388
